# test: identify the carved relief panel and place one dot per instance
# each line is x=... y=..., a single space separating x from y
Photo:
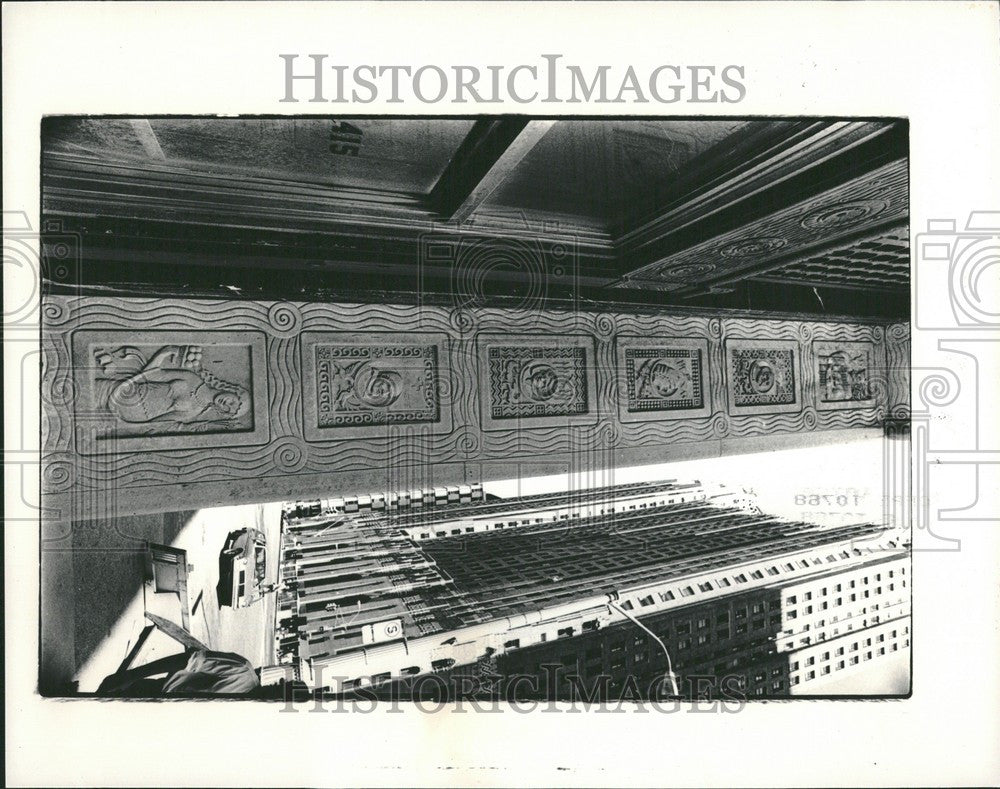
x=144 y=400
x=762 y=377
x=844 y=374
x=167 y=390
x=661 y=378
x=357 y=385
x=536 y=380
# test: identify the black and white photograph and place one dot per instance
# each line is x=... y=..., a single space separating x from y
x=499 y=394
x=499 y=407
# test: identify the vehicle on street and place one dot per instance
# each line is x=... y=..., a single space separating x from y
x=242 y=566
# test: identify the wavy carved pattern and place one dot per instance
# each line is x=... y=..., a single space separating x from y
x=897 y=352
x=288 y=451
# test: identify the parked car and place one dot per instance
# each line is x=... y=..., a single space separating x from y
x=242 y=567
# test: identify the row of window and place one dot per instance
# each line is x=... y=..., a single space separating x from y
x=853 y=598
x=757 y=574
x=852 y=660
x=555 y=518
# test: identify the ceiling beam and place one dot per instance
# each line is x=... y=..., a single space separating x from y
x=488 y=154
x=727 y=189
x=151 y=145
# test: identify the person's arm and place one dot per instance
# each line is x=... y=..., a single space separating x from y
x=121 y=680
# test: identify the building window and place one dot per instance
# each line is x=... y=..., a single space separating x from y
x=702 y=624
x=791 y=599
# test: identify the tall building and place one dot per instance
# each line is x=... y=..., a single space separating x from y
x=591 y=591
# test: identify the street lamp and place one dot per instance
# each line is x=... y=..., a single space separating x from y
x=613 y=603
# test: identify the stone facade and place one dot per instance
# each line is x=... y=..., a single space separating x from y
x=241 y=400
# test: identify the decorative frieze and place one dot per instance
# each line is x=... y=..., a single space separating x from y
x=540 y=380
x=363 y=384
x=762 y=376
x=661 y=378
x=844 y=374
x=143 y=399
x=151 y=390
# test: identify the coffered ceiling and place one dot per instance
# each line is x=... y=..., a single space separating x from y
x=789 y=214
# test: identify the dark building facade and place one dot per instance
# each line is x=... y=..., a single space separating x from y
x=598 y=591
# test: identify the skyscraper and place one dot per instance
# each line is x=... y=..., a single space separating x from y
x=587 y=591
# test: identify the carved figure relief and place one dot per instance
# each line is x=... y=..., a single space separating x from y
x=843 y=374
x=168 y=390
x=527 y=381
x=376 y=385
x=762 y=376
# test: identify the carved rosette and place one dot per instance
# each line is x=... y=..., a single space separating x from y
x=289 y=454
x=285 y=319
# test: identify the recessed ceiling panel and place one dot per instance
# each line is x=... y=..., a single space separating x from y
x=402 y=155
x=605 y=171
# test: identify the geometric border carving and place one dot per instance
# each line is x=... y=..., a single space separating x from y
x=734 y=345
x=567 y=346
x=695 y=350
x=413 y=359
